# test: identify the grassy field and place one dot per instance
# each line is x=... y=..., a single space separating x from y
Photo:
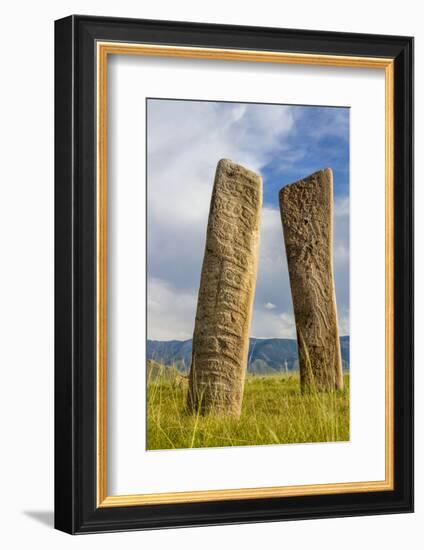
x=274 y=412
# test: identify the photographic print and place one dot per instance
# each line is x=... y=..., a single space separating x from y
x=247 y=274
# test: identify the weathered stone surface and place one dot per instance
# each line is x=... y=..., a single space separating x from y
x=227 y=285
x=307 y=214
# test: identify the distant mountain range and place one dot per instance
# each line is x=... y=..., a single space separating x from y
x=266 y=355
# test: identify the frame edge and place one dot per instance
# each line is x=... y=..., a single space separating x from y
x=64 y=448
x=68 y=490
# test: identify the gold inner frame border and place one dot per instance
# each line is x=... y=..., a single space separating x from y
x=103 y=50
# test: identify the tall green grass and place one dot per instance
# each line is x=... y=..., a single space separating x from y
x=274 y=412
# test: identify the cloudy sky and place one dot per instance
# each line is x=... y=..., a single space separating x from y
x=185 y=140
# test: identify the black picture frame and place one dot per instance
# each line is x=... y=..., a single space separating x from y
x=76 y=508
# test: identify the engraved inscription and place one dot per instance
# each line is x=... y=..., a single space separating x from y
x=307 y=215
x=221 y=332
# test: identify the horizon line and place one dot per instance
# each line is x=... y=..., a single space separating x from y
x=250 y=338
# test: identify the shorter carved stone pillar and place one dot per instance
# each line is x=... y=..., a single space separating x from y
x=227 y=285
x=307 y=214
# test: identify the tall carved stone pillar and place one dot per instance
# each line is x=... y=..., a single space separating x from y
x=307 y=214
x=227 y=285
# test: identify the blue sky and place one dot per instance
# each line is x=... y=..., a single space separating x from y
x=185 y=140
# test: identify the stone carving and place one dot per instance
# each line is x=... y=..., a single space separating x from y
x=307 y=214
x=227 y=285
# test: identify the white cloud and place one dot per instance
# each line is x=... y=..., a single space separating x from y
x=341 y=208
x=185 y=142
x=343 y=324
x=272 y=285
x=341 y=261
x=271 y=324
x=170 y=312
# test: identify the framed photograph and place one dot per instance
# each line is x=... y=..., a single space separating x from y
x=234 y=274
